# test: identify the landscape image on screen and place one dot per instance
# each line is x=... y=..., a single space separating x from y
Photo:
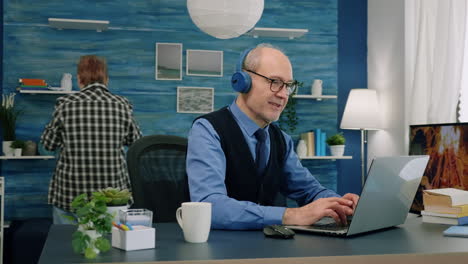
x=447 y=147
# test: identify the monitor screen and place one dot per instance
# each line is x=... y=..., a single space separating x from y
x=447 y=147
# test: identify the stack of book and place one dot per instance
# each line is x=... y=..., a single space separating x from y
x=32 y=84
x=315 y=141
x=445 y=206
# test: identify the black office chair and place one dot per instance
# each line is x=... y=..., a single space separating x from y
x=156 y=166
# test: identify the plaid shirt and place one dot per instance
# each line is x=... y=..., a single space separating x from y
x=91 y=127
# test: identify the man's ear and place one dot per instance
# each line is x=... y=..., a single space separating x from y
x=78 y=79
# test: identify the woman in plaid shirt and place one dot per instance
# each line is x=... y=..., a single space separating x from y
x=90 y=128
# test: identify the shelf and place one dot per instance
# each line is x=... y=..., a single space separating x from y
x=26 y=157
x=316 y=97
x=290 y=33
x=63 y=23
x=326 y=157
x=46 y=92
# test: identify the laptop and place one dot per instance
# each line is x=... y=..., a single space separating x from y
x=385 y=200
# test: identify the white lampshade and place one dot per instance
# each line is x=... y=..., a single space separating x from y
x=225 y=19
x=361 y=110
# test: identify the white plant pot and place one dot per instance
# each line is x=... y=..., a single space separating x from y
x=114 y=210
x=18 y=152
x=6 y=148
x=337 y=150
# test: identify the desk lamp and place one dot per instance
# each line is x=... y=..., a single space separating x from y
x=361 y=113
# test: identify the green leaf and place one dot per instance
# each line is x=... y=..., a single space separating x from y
x=102 y=244
x=90 y=253
x=79 y=242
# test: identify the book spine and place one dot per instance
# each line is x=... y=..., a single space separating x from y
x=311 y=143
x=317 y=132
x=32 y=81
x=324 y=144
x=439 y=220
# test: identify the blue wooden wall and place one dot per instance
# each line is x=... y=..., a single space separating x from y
x=32 y=49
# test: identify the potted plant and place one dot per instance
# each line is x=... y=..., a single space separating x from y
x=116 y=200
x=336 y=143
x=288 y=119
x=8 y=116
x=17 y=147
x=93 y=222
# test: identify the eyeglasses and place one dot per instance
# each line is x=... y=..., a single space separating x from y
x=276 y=84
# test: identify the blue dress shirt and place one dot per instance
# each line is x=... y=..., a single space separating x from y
x=206 y=170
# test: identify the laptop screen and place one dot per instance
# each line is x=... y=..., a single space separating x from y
x=388 y=192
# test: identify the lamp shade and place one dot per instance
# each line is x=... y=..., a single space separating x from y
x=361 y=110
x=225 y=19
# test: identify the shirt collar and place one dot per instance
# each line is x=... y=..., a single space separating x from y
x=243 y=120
x=96 y=84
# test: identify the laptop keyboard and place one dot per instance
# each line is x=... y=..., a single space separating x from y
x=330 y=224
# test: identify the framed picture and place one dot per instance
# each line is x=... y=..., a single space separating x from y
x=168 y=61
x=205 y=63
x=195 y=99
x=447 y=147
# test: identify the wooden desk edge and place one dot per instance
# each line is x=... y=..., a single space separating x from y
x=435 y=258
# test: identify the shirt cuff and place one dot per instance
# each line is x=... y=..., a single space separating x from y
x=273 y=215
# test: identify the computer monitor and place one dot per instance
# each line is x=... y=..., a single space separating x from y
x=447 y=147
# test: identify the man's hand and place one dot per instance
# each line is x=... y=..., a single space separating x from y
x=353 y=197
x=335 y=207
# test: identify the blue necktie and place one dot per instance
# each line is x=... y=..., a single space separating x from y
x=260 y=151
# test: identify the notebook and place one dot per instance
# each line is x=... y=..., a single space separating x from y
x=385 y=200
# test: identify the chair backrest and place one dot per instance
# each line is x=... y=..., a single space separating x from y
x=156 y=166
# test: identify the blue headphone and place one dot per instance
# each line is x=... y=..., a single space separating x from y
x=240 y=80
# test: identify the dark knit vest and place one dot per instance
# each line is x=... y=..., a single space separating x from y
x=242 y=181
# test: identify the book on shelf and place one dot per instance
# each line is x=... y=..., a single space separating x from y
x=446 y=200
x=27 y=81
x=317 y=135
x=457 y=231
x=309 y=139
x=448 y=219
x=323 y=144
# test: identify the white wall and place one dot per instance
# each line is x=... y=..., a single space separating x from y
x=386 y=75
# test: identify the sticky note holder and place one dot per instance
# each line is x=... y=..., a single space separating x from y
x=141 y=237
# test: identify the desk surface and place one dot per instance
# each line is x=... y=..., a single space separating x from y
x=413 y=237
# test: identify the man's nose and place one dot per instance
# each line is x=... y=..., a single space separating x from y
x=283 y=93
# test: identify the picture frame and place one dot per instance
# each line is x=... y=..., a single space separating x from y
x=168 y=59
x=197 y=100
x=204 y=63
x=446 y=145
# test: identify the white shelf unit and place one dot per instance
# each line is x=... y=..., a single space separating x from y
x=46 y=92
x=290 y=33
x=325 y=157
x=316 y=97
x=64 y=23
x=26 y=157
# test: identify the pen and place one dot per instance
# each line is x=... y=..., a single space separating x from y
x=124 y=227
x=117 y=225
x=129 y=226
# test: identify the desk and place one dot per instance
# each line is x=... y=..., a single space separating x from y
x=413 y=237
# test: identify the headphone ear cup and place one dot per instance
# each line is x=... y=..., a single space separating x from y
x=241 y=82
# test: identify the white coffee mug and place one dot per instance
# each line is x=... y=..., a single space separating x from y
x=317 y=87
x=195 y=220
